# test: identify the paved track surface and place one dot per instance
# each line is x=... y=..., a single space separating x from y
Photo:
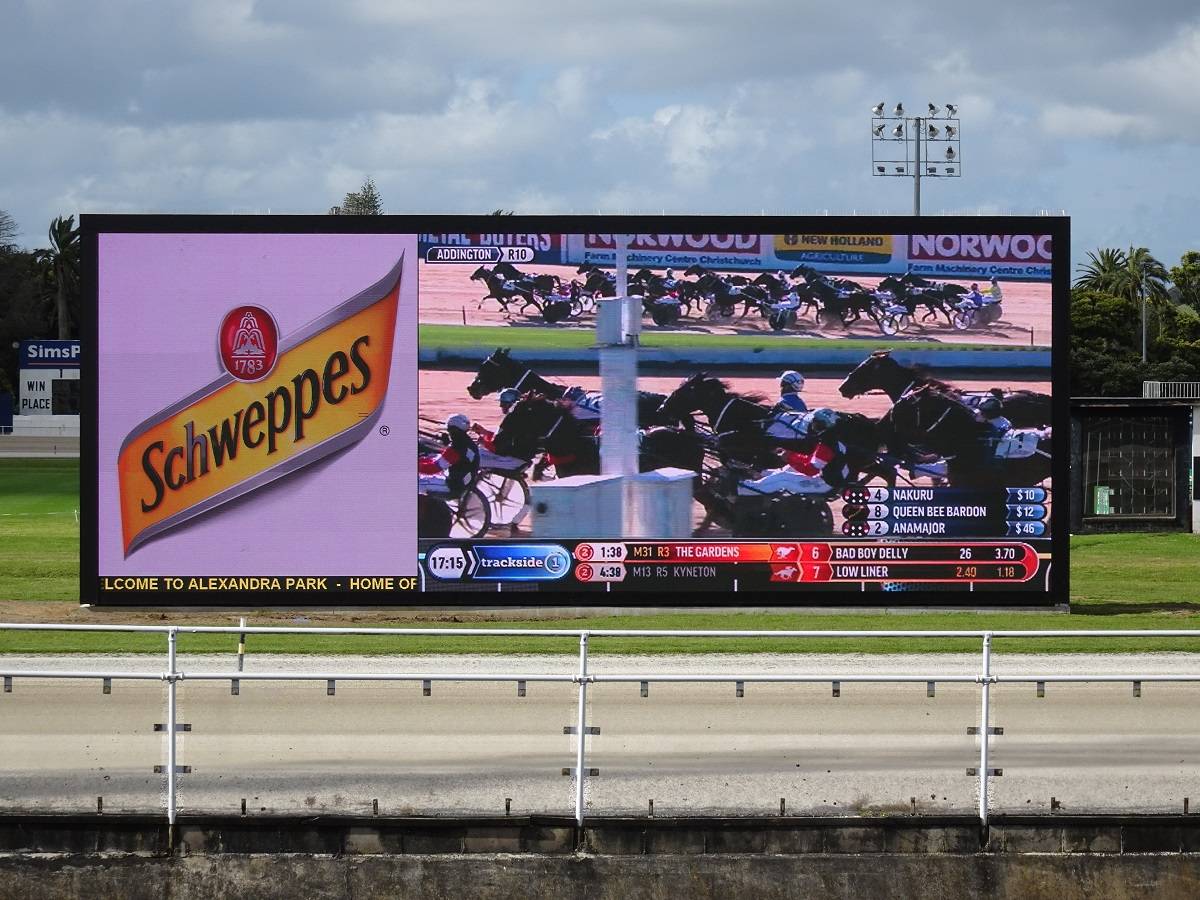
x=448 y=294
x=290 y=747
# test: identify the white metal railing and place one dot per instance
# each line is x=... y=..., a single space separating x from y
x=581 y=677
x=42 y=431
x=1171 y=390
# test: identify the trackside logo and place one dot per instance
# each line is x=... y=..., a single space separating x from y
x=1000 y=248
x=319 y=391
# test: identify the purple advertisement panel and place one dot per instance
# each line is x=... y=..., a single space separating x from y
x=253 y=390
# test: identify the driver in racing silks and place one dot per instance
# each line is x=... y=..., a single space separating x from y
x=818 y=468
x=449 y=472
x=488 y=457
x=990 y=412
x=975 y=297
x=791 y=383
x=585 y=405
x=669 y=280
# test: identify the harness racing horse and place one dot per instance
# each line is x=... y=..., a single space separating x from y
x=505 y=291
x=881 y=372
x=500 y=370
x=910 y=298
x=928 y=421
x=541 y=283
x=538 y=424
x=740 y=422
x=737 y=421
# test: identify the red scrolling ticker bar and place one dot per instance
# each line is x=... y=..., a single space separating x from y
x=809 y=561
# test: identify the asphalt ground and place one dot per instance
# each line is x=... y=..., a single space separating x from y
x=291 y=747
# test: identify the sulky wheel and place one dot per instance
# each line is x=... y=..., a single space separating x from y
x=508 y=498
x=473 y=516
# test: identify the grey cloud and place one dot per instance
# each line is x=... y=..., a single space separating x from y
x=684 y=105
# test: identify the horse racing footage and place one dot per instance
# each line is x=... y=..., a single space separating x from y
x=779 y=449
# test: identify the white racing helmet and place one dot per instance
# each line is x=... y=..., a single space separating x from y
x=791 y=379
x=459 y=421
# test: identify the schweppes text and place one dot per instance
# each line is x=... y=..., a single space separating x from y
x=279 y=416
x=232 y=437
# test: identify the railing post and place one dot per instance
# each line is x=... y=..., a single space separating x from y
x=986 y=684
x=172 y=785
x=581 y=730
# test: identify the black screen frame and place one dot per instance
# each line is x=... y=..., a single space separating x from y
x=93 y=225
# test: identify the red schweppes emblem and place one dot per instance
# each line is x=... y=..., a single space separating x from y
x=248 y=342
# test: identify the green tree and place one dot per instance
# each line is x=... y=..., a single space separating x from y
x=60 y=272
x=23 y=311
x=366 y=201
x=1134 y=274
x=1185 y=278
x=8 y=232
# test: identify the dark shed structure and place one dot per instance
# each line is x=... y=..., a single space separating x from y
x=1132 y=464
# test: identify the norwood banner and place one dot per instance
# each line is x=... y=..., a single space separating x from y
x=350 y=411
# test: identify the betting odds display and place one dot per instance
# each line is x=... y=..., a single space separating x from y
x=333 y=410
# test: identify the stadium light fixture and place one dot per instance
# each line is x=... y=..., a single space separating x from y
x=916 y=132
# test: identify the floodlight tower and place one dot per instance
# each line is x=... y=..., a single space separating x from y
x=916 y=146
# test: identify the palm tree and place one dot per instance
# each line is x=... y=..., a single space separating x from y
x=1103 y=272
x=60 y=270
x=1134 y=274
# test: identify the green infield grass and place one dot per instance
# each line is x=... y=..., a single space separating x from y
x=486 y=337
x=39 y=529
x=1135 y=581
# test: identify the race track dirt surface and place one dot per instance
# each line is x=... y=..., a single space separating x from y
x=447 y=296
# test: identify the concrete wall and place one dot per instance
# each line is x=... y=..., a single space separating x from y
x=1057 y=858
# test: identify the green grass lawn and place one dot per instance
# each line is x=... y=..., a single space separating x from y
x=474 y=337
x=1138 y=581
x=39 y=533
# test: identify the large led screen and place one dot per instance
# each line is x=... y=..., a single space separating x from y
x=679 y=411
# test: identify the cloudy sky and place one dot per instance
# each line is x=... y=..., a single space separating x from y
x=622 y=106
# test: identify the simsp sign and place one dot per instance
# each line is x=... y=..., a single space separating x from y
x=49 y=355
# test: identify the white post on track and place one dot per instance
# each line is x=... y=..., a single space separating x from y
x=618 y=373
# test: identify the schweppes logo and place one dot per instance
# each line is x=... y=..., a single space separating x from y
x=274 y=411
